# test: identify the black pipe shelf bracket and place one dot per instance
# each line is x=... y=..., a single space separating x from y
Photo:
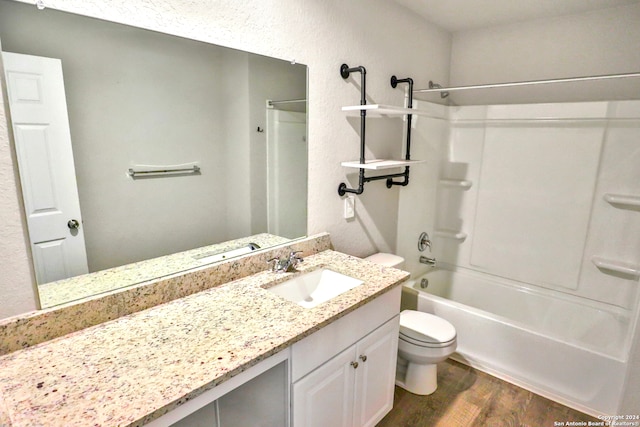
x=345 y=71
x=407 y=155
x=378 y=164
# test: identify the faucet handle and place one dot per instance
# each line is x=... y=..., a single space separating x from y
x=275 y=263
x=424 y=241
x=294 y=258
x=294 y=255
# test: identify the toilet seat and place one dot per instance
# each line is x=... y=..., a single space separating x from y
x=426 y=344
x=425 y=330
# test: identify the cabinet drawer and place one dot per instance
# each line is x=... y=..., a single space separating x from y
x=322 y=345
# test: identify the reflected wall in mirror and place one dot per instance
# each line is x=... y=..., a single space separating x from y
x=143 y=100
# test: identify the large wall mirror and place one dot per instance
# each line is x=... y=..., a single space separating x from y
x=160 y=145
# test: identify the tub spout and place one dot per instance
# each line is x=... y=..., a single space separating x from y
x=428 y=260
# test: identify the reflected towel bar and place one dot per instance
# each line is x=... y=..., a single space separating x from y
x=271 y=104
x=166 y=171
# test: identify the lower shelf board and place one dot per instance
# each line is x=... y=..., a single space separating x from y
x=377 y=164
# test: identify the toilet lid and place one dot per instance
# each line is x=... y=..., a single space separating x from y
x=426 y=327
x=388 y=260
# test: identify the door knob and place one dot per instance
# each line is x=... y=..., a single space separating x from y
x=363 y=358
x=73 y=224
x=355 y=365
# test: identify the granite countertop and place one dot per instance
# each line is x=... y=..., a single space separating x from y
x=131 y=370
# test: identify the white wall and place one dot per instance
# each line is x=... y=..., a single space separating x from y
x=594 y=43
x=322 y=34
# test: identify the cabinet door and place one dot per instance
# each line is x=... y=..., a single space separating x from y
x=376 y=373
x=325 y=396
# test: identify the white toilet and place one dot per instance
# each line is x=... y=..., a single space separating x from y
x=425 y=340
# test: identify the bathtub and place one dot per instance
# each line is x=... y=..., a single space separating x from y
x=561 y=347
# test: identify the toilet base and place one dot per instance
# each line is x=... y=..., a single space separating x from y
x=418 y=379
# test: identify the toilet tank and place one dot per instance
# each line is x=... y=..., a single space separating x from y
x=388 y=260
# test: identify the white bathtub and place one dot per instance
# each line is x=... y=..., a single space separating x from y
x=557 y=346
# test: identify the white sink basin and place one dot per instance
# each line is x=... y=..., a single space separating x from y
x=315 y=287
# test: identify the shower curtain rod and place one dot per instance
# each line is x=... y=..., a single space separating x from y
x=434 y=87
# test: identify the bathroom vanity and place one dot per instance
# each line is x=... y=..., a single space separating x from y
x=232 y=353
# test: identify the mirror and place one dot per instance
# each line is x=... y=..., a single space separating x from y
x=174 y=149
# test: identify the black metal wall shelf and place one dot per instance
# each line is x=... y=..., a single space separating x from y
x=378 y=164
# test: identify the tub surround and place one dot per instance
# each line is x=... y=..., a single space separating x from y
x=519 y=196
x=31 y=328
x=498 y=179
x=136 y=368
x=86 y=285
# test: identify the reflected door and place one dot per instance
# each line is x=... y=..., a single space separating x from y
x=40 y=124
x=287 y=173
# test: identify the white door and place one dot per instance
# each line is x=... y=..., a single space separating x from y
x=287 y=173
x=325 y=396
x=40 y=124
x=376 y=374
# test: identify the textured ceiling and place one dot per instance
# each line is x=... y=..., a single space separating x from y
x=459 y=15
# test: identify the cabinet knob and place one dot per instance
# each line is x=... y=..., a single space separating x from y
x=363 y=357
x=355 y=365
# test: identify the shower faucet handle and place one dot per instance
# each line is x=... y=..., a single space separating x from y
x=424 y=241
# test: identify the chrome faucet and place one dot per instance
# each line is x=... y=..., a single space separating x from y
x=428 y=260
x=287 y=264
x=424 y=242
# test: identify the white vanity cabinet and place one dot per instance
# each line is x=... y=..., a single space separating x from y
x=355 y=388
x=256 y=397
x=352 y=386
x=262 y=401
x=341 y=375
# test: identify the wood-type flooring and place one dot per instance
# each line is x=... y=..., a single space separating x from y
x=468 y=397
